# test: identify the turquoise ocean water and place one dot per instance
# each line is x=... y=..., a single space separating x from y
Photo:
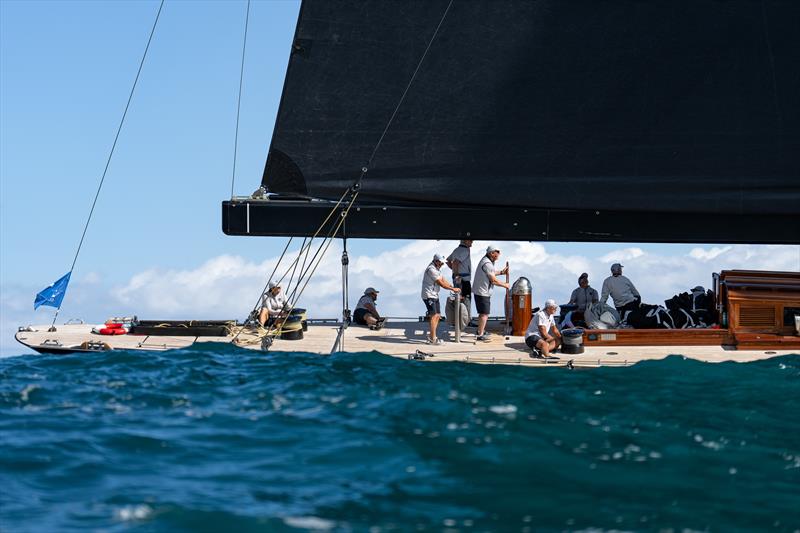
x=216 y=438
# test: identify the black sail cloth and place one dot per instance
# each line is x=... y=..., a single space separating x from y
x=682 y=115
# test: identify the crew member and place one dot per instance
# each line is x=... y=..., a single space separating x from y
x=542 y=336
x=461 y=264
x=432 y=281
x=621 y=290
x=482 y=285
x=366 y=313
x=273 y=304
x=584 y=294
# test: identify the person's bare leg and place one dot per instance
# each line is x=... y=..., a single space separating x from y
x=482 y=319
x=262 y=317
x=544 y=347
x=434 y=325
x=370 y=320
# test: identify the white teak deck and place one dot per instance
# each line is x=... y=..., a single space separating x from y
x=397 y=339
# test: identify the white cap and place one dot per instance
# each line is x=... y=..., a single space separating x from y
x=550 y=303
x=492 y=248
x=439 y=258
x=272 y=285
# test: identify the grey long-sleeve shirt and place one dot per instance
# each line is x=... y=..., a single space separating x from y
x=621 y=290
x=583 y=297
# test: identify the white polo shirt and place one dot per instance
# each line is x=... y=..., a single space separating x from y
x=540 y=318
x=430 y=289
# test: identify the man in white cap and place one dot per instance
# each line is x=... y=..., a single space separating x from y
x=482 y=285
x=366 y=313
x=432 y=281
x=273 y=304
x=542 y=336
x=621 y=290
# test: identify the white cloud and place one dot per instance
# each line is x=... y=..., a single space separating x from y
x=703 y=254
x=625 y=254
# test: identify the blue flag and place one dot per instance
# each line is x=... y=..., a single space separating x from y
x=54 y=294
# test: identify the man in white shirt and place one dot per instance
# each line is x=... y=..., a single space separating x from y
x=366 y=312
x=273 y=304
x=432 y=281
x=460 y=263
x=482 y=285
x=542 y=336
x=621 y=290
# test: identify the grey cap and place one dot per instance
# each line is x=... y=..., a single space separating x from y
x=370 y=290
x=272 y=285
x=616 y=267
x=439 y=258
x=492 y=248
x=550 y=303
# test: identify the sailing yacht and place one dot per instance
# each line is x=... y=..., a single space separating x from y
x=527 y=121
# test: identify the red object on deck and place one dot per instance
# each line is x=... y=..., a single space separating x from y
x=113 y=331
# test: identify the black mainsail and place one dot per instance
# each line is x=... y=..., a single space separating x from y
x=540 y=120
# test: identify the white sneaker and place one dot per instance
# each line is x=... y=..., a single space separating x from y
x=435 y=342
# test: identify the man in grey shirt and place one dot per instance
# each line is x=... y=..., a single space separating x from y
x=485 y=279
x=621 y=290
x=584 y=294
x=432 y=280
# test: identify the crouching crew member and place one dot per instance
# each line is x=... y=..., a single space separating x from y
x=432 y=281
x=542 y=336
x=273 y=304
x=366 y=313
x=621 y=290
x=482 y=285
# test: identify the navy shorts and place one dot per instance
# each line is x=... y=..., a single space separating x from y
x=532 y=340
x=483 y=304
x=432 y=306
x=359 y=316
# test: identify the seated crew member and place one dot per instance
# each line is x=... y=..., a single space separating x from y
x=460 y=263
x=432 y=281
x=273 y=304
x=542 y=336
x=621 y=290
x=485 y=279
x=366 y=313
x=584 y=294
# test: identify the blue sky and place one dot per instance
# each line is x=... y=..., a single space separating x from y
x=155 y=246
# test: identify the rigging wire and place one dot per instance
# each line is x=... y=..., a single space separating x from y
x=354 y=190
x=239 y=99
x=405 y=92
x=114 y=144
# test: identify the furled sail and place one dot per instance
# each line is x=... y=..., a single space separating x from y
x=579 y=120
